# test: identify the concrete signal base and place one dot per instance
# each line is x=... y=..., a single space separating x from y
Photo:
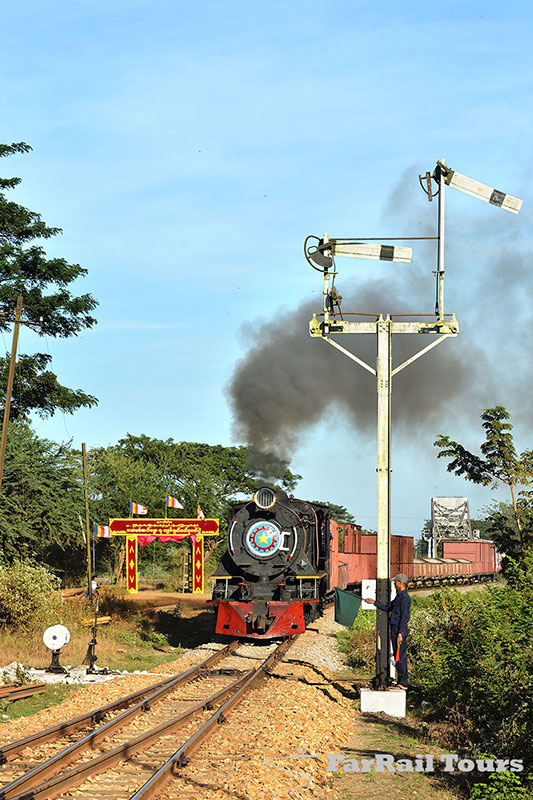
x=391 y=702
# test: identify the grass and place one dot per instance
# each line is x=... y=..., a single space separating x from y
x=138 y=638
x=131 y=641
x=359 y=642
x=52 y=695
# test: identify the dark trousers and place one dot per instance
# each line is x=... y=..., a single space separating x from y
x=401 y=666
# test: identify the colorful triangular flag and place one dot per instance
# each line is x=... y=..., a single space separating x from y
x=199 y=513
x=171 y=502
x=136 y=508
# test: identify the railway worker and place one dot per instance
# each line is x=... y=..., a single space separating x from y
x=94 y=587
x=399 y=611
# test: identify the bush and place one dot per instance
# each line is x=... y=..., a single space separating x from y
x=471 y=657
x=28 y=595
x=499 y=786
x=359 y=641
x=116 y=605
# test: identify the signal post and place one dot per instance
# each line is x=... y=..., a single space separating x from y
x=440 y=325
x=383 y=328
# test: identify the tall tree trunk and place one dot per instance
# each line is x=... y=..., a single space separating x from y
x=121 y=563
x=517 y=518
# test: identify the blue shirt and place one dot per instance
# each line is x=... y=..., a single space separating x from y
x=399 y=610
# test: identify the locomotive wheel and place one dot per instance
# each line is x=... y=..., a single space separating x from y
x=310 y=613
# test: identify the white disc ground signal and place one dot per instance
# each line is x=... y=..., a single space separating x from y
x=56 y=636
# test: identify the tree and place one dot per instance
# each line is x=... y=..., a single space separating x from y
x=40 y=502
x=201 y=473
x=43 y=283
x=145 y=469
x=420 y=549
x=339 y=513
x=499 y=463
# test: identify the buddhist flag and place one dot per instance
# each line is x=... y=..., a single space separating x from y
x=199 y=513
x=172 y=502
x=136 y=508
x=101 y=530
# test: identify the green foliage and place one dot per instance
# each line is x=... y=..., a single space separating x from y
x=48 y=304
x=499 y=786
x=28 y=595
x=499 y=462
x=40 y=502
x=52 y=695
x=148 y=633
x=42 y=505
x=359 y=641
x=339 y=513
x=141 y=648
x=145 y=469
x=197 y=472
x=420 y=549
x=37 y=388
x=471 y=657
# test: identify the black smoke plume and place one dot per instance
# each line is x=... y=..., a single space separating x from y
x=288 y=381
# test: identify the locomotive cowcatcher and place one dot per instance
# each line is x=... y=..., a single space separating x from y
x=272 y=578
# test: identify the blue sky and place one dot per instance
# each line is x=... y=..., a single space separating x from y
x=187 y=149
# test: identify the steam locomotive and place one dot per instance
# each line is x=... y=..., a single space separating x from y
x=273 y=577
x=284 y=555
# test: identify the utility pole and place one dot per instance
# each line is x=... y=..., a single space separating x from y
x=87 y=521
x=9 y=392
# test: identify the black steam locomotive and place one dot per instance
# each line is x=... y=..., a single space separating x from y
x=273 y=577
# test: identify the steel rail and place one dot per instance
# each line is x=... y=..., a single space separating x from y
x=65 y=757
x=84 y=720
x=16 y=691
x=63 y=728
x=60 y=783
x=152 y=788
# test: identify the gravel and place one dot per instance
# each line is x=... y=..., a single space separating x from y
x=275 y=743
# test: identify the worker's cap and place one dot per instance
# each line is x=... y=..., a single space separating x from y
x=401 y=577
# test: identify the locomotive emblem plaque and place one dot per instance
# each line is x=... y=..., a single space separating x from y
x=263 y=539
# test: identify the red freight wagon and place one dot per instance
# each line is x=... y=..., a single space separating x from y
x=481 y=552
x=353 y=556
x=353 y=559
x=368 y=543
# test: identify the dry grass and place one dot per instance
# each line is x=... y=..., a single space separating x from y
x=128 y=642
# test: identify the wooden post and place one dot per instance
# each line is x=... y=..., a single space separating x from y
x=87 y=521
x=9 y=391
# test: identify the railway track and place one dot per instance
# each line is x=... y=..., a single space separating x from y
x=12 y=691
x=136 y=752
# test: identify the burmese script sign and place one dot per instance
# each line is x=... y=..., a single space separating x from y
x=140 y=532
x=163 y=527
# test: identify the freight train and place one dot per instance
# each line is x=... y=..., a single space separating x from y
x=285 y=556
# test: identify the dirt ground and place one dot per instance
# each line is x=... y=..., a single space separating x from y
x=151 y=598
x=371 y=734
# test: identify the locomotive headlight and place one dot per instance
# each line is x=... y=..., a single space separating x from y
x=265 y=498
